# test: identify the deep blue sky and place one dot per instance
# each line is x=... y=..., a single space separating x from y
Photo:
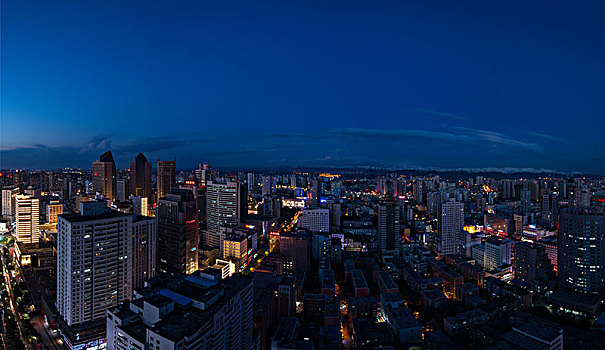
x=443 y=84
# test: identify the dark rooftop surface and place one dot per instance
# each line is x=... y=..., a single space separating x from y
x=75 y=217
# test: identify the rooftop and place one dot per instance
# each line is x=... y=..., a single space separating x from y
x=75 y=217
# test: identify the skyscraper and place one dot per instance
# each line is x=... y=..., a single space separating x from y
x=226 y=204
x=525 y=201
x=531 y=264
x=144 y=249
x=581 y=253
x=178 y=235
x=8 y=202
x=53 y=209
x=451 y=221
x=28 y=219
x=389 y=214
x=166 y=177
x=202 y=172
x=94 y=263
x=140 y=176
x=104 y=176
x=269 y=184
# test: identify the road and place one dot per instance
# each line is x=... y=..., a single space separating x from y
x=8 y=278
x=49 y=339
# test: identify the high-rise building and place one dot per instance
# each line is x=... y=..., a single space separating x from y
x=178 y=234
x=226 y=204
x=497 y=252
x=202 y=173
x=451 y=221
x=8 y=202
x=122 y=190
x=315 y=220
x=525 y=201
x=53 y=209
x=186 y=313
x=28 y=219
x=388 y=231
x=531 y=264
x=314 y=193
x=144 y=249
x=94 y=263
x=140 y=176
x=269 y=185
x=507 y=189
x=140 y=205
x=250 y=181
x=294 y=246
x=166 y=177
x=581 y=252
x=418 y=191
x=104 y=176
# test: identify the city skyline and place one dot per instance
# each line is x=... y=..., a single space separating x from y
x=390 y=85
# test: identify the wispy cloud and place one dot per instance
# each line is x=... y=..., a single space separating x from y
x=498 y=138
x=548 y=137
x=440 y=114
x=401 y=133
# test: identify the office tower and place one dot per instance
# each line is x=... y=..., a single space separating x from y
x=8 y=202
x=433 y=200
x=122 y=190
x=585 y=197
x=250 y=181
x=104 y=176
x=234 y=246
x=140 y=177
x=581 y=253
x=166 y=177
x=335 y=216
x=213 y=315
x=294 y=246
x=144 y=249
x=497 y=252
x=531 y=264
x=226 y=204
x=53 y=209
x=451 y=221
x=507 y=189
x=418 y=191
x=389 y=215
x=140 y=205
x=525 y=201
x=178 y=234
x=314 y=193
x=269 y=185
x=27 y=214
x=94 y=263
x=293 y=182
x=320 y=246
x=202 y=173
x=315 y=220
x=520 y=221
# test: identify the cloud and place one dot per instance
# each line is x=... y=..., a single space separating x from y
x=98 y=143
x=498 y=138
x=156 y=144
x=548 y=137
x=440 y=114
x=401 y=133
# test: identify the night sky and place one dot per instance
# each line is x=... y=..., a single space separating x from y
x=254 y=84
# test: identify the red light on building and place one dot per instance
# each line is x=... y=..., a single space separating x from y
x=95 y=174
